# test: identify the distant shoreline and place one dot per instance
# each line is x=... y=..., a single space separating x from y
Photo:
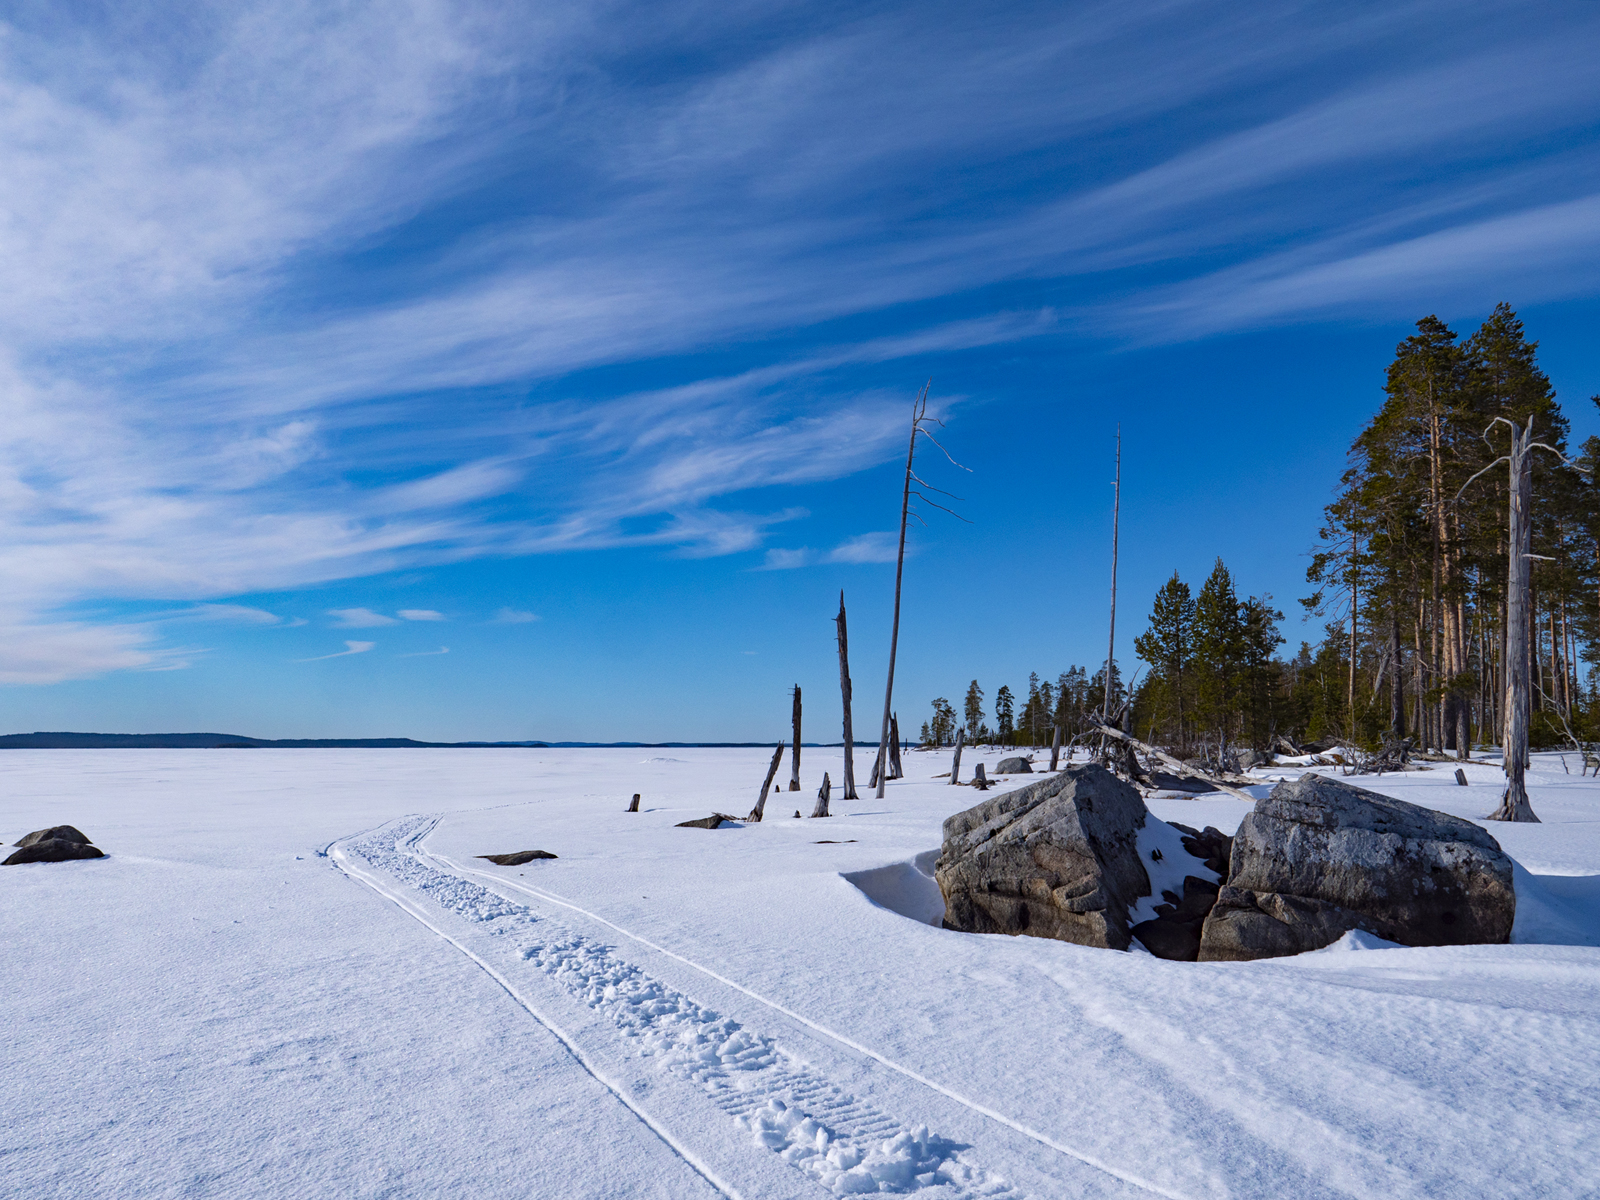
x=229 y=741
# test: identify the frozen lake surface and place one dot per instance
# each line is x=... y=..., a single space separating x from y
x=293 y=978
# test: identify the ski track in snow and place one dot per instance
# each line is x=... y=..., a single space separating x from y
x=847 y=1145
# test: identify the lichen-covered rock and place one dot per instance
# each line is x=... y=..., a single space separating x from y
x=1013 y=766
x=51 y=850
x=1055 y=859
x=1320 y=857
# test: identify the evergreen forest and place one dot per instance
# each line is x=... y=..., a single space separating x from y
x=1407 y=582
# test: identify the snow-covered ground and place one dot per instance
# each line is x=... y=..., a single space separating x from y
x=293 y=978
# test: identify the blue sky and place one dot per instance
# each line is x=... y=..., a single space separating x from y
x=466 y=371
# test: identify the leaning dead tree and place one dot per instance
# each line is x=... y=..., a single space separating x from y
x=955 y=765
x=794 y=757
x=1514 y=805
x=849 y=780
x=757 y=812
x=920 y=422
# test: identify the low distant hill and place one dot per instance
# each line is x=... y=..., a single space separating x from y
x=233 y=741
x=208 y=741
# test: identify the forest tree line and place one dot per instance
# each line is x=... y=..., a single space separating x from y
x=1408 y=576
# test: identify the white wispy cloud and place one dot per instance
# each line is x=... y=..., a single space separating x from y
x=349 y=649
x=515 y=616
x=213 y=388
x=420 y=614
x=427 y=653
x=359 y=618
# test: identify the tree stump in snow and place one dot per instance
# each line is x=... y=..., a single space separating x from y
x=821 y=810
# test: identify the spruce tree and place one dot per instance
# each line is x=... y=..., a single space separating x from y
x=1004 y=729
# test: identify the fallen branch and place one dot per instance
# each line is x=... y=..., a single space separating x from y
x=1178 y=767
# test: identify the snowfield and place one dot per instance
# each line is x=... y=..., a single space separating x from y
x=292 y=977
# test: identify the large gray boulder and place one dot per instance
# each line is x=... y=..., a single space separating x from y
x=1320 y=857
x=1055 y=859
x=1013 y=766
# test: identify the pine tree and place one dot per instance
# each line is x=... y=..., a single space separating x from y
x=1168 y=646
x=973 y=711
x=1004 y=729
x=1218 y=650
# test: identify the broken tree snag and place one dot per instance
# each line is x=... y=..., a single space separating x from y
x=821 y=810
x=634 y=807
x=1133 y=743
x=843 y=632
x=955 y=767
x=794 y=756
x=978 y=780
x=895 y=770
x=766 y=787
x=1461 y=777
x=1055 y=748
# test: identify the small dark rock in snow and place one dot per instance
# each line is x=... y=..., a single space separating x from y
x=52 y=850
x=1320 y=857
x=711 y=822
x=517 y=859
x=1013 y=766
x=56 y=833
x=1055 y=859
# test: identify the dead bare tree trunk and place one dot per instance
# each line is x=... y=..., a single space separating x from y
x=844 y=694
x=894 y=748
x=1055 y=748
x=1514 y=805
x=761 y=804
x=955 y=765
x=634 y=807
x=794 y=755
x=821 y=810
x=917 y=411
x=1351 y=701
x=1111 y=645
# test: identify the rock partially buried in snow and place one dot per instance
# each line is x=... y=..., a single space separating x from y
x=1013 y=766
x=52 y=850
x=1055 y=859
x=56 y=833
x=517 y=859
x=714 y=821
x=1320 y=857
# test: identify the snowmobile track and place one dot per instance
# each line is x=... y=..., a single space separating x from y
x=831 y=1138
x=335 y=851
x=834 y=1035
